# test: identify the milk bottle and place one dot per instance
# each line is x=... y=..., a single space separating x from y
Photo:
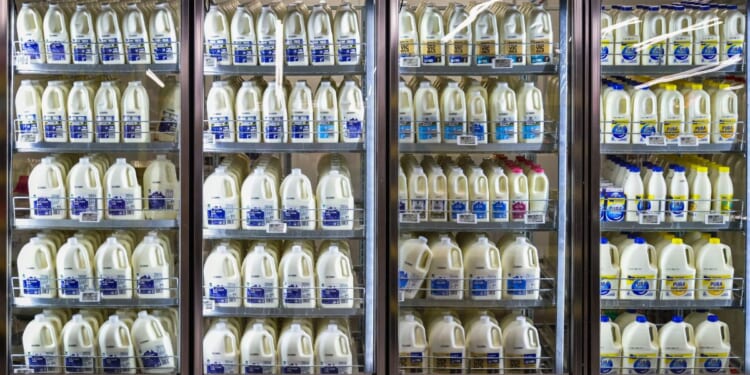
x=706 y=40
x=295 y=350
x=79 y=345
x=137 y=47
x=617 y=116
x=221 y=275
x=539 y=35
x=54 y=114
x=220 y=108
x=151 y=269
x=41 y=345
x=47 y=197
x=85 y=190
x=679 y=50
x=654 y=29
x=483 y=270
x=326 y=114
x=712 y=341
x=75 y=271
x=538 y=190
x=298 y=201
x=217 y=35
x=503 y=114
x=513 y=37
x=28 y=113
x=107 y=113
x=297 y=279
x=484 y=344
x=607 y=54
x=221 y=200
x=260 y=278
x=135 y=114
x=36 y=270
x=486 y=38
x=56 y=35
x=83 y=37
x=260 y=200
x=677 y=344
x=80 y=114
x=335 y=280
x=301 y=113
x=677 y=271
x=247 y=114
x=627 y=36
x=609 y=270
x=640 y=347
x=477 y=114
x=446 y=271
x=335 y=201
x=714 y=270
x=644 y=115
x=437 y=189
x=295 y=36
x=415 y=259
x=111 y=48
x=700 y=195
x=116 y=347
x=244 y=47
x=348 y=36
x=610 y=346
x=458 y=193
x=698 y=120
x=447 y=343
x=257 y=350
x=332 y=350
x=459 y=50
x=268 y=21
x=519 y=194
x=113 y=270
x=531 y=114
x=153 y=345
x=408 y=36
x=320 y=32
x=427 y=113
x=123 y=194
x=221 y=354
x=163 y=33
x=479 y=196
x=671 y=113
x=678 y=196
x=521 y=346
x=638 y=270
x=412 y=343
x=431 y=33
x=30 y=34
x=453 y=107
x=351 y=112
x=724 y=115
x=732 y=33
x=723 y=193
x=161 y=189
x=520 y=264
x=498 y=192
x=275 y=128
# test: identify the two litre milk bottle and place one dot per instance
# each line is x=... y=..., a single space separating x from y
x=107 y=113
x=459 y=50
x=503 y=114
x=111 y=47
x=412 y=343
x=348 y=35
x=351 y=112
x=295 y=36
x=301 y=113
x=520 y=264
x=260 y=278
x=135 y=35
x=267 y=35
x=221 y=274
x=320 y=33
x=732 y=33
x=221 y=352
x=220 y=107
x=531 y=114
x=163 y=32
x=30 y=33
x=221 y=201
x=116 y=347
x=161 y=188
x=28 y=113
x=123 y=194
x=335 y=202
x=41 y=345
x=78 y=338
x=427 y=113
x=248 y=113
x=486 y=37
x=640 y=347
x=56 y=35
x=431 y=33
x=83 y=36
x=152 y=344
x=244 y=46
x=326 y=113
x=275 y=115
x=408 y=37
x=47 y=191
x=415 y=258
x=80 y=114
x=260 y=199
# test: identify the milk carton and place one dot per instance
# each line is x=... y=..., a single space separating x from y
x=724 y=107
x=116 y=347
x=679 y=50
x=153 y=345
x=609 y=270
x=268 y=23
x=521 y=345
x=297 y=279
x=30 y=34
x=295 y=350
x=85 y=190
x=539 y=33
x=28 y=122
x=351 y=112
x=712 y=342
x=298 y=201
x=295 y=36
x=221 y=200
x=151 y=269
x=638 y=270
x=123 y=194
x=415 y=259
x=640 y=347
x=275 y=126
x=135 y=114
x=531 y=114
x=56 y=35
x=513 y=38
x=41 y=345
x=459 y=45
x=520 y=264
x=677 y=347
x=427 y=113
x=78 y=338
x=258 y=350
x=221 y=354
x=677 y=271
x=326 y=114
x=135 y=34
x=431 y=33
x=301 y=113
x=221 y=277
x=111 y=47
x=47 y=192
x=610 y=346
x=447 y=343
x=732 y=33
x=714 y=271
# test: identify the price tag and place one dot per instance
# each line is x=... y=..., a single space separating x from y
x=90 y=217
x=502 y=63
x=409 y=217
x=23 y=59
x=401 y=296
x=649 y=219
x=277 y=227
x=90 y=296
x=208 y=139
x=23 y=370
x=209 y=62
x=410 y=62
x=687 y=141
x=534 y=218
x=27 y=138
x=467 y=140
x=209 y=305
x=656 y=140
x=466 y=219
x=715 y=219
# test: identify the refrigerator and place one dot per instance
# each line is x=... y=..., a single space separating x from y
x=96 y=267
x=664 y=74
x=288 y=205
x=479 y=147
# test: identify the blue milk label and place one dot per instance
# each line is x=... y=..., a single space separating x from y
x=168 y=122
x=253 y=369
x=353 y=127
x=326 y=127
x=615 y=205
x=531 y=127
x=292 y=217
x=332 y=217
x=219 y=294
x=217 y=216
x=604 y=54
x=734 y=48
x=43 y=207
x=112 y=365
x=479 y=130
x=656 y=53
x=482 y=286
x=401 y=205
x=629 y=53
x=32 y=285
x=163 y=49
x=334 y=294
x=255 y=217
x=457 y=207
x=110 y=49
x=155 y=357
x=267 y=51
x=53 y=127
x=677 y=365
x=605 y=287
x=274 y=127
x=215 y=368
x=677 y=207
x=220 y=127
x=642 y=365
x=440 y=287
x=145 y=284
x=217 y=48
x=75 y=364
x=619 y=130
x=319 y=51
x=257 y=294
x=479 y=208
x=438 y=209
x=133 y=126
x=83 y=50
x=499 y=210
x=300 y=126
x=79 y=128
x=347 y=50
x=135 y=49
x=427 y=129
x=79 y=205
x=296 y=294
x=69 y=286
x=105 y=127
x=516 y=286
x=56 y=51
x=606 y=365
x=157 y=201
x=112 y=286
x=403 y=279
x=31 y=49
x=293 y=369
x=709 y=51
x=28 y=127
x=38 y=363
x=681 y=51
x=713 y=365
x=419 y=206
x=247 y=127
x=117 y=206
x=295 y=50
x=453 y=127
x=640 y=287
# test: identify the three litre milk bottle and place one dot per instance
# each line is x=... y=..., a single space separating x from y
x=135 y=114
x=75 y=270
x=713 y=346
x=111 y=47
x=107 y=113
x=36 y=270
x=415 y=258
x=113 y=271
x=161 y=188
x=335 y=278
x=333 y=351
x=221 y=352
x=123 y=194
x=520 y=263
x=610 y=347
x=47 y=191
x=221 y=273
x=484 y=344
x=116 y=347
x=609 y=270
x=715 y=271
x=412 y=343
x=85 y=190
x=163 y=32
x=295 y=350
x=483 y=270
x=151 y=269
x=79 y=347
x=56 y=37
x=298 y=201
x=521 y=346
x=41 y=345
x=153 y=345
x=446 y=271
x=677 y=270
x=30 y=33
x=135 y=35
x=638 y=270
x=295 y=36
x=677 y=347
x=297 y=275
x=80 y=113
x=221 y=200
x=258 y=350
x=260 y=278
x=640 y=347
x=348 y=35
x=447 y=345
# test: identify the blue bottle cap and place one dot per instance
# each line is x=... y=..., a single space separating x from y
x=640 y=240
x=641 y=319
x=604 y=241
x=605 y=319
x=712 y=318
x=677 y=319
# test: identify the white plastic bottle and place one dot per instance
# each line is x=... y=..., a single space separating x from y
x=221 y=352
x=427 y=113
x=298 y=201
x=484 y=344
x=295 y=37
x=698 y=118
x=723 y=193
x=79 y=347
x=222 y=279
x=243 y=39
x=522 y=347
x=638 y=270
x=135 y=114
x=163 y=32
x=123 y=194
x=706 y=43
x=680 y=44
x=713 y=346
x=28 y=103
x=85 y=190
x=627 y=36
x=431 y=32
x=412 y=343
x=153 y=345
x=220 y=112
x=295 y=351
x=247 y=113
x=644 y=115
x=320 y=33
x=447 y=345
x=260 y=279
x=47 y=191
x=503 y=114
x=483 y=270
x=275 y=123
x=348 y=41
x=715 y=271
x=519 y=194
x=477 y=114
x=458 y=193
x=538 y=190
x=607 y=53
x=531 y=114
x=30 y=34
x=520 y=261
x=111 y=47
x=107 y=113
x=335 y=202
x=80 y=114
x=217 y=35
x=301 y=113
x=266 y=33
x=446 y=271
x=351 y=112
x=499 y=193
x=55 y=114
x=260 y=200
x=36 y=270
x=221 y=200
x=459 y=45
x=116 y=347
x=56 y=35
x=161 y=188
x=326 y=114
x=724 y=106
x=151 y=269
x=486 y=38
x=513 y=38
x=41 y=345
x=408 y=36
x=617 y=116
x=75 y=270
x=700 y=195
x=640 y=347
x=415 y=258
x=540 y=35
x=113 y=271
x=479 y=195
x=453 y=108
x=257 y=350
x=610 y=347
x=677 y=271
x=677 y=346
x=654 y=26
x=678 y=196
x=297 y=275
x=609 y=270
x=135 y=35
x=83 y=36
x=333 y=350
x=732 y=33
x=671 y=113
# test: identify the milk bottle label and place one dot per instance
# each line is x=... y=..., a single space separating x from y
x=220 y=368
x=454 y=126
x=319 y=50
x=432 y=52
x=334 y=216
x=133 y=126
x=259 y=216
x=352 y=125
x=274 y=125
x=641 y=363
x=607 y=47
x=78 y=126
x=505 y=128
x=408 y=282
x=411 y=362
x=483 y=286
x=300 y=126
x=347 y=50
x=500 y=210
x=458 y=51
x=31 y=49
x=114 y=284
x=540 y=50
x=35 y=285
x=619 y=130
x=121 y=205
x=712 y=362
x=640 y=285
x=296 y=216
x=647 y=129
x=727 y=129
x=629 y=53
x=437 y=209
x=406 y=47
x=163 y=48
x=449 y=362
x=679 y=286
x=105 y=126
x=655 y=53
x=419 y=206
x=243 y=51
x=85 y=203
x=518 y=208
x=247 y=126
x=42 y=362
x=259 y=293
x=607 y=364
x=512 y=49
x=110 y=49
x=677 y=206
x=699 y=129
x=150 y=283
x=28 y=127
x=83 y=49
x=485 y=52
x=335 y=293
x=56 y=51
x=458 y=207
x=116 y=361
x=529 y=361
x=479 y=208
x=607 y=287
x=295 y=51
x=160 y=199
x=168 y=122
x=442 y=286
x=53 y=127
x=217 y=48
x=522 y=284
x=70 y=285
x=716 y=286
x=220 y=126
x=427 y=128
x=531 y=126
x=136 y=49
x=681 y=49
x=672 y=130
x=51 y=205
x=487 y=362
x=224 y=292
x=326 y=126
x=79 y=362
x=709 y=50
x=220 y=215
x=297 y=293
x=734 y=47
x=267 y=51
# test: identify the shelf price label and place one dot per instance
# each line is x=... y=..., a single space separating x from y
x=715 y=219
x=208 y=138
x=466 y=219
x=90 y=296
x=90 y=217
x=209 y=305
x=410 y=62
x=277 y=227
x=687 y=141
x=23 y=370
x=656 y=140
x=23 y=59
x=467 y=140
x=409 y=217
x=502 y=63
x=534 y=218
x=649 y=219
x=209 y=62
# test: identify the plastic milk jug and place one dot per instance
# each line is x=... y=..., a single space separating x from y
x=706 y=37
x=531 y=114
x=83 y=36
x=677 y=271
x=539 y=35
x=221 y=274
x=724 y=115
x=333 y=351
x=627 y=36
x=151 y=269
x=295 y=36
x=348 y=36
x=326 y=114
x=260 y=279
x=267 y=25
x=247 y=113
x=56 y=35
x=538 y=190
x=431 y=33
x=656 y=192
x=712 y=341
x=217 y=35
x=116 y=347
x=677 y=209
x=78 y=338
x=700 y=195
x=135 y=33
x=298 y=201
x=479 y=196
x=640 y=347
x=220 y=108
x=54 y=114
x=427 y=113
x=453 y=108
x=244 y=46
x=335 y=201
x=107 y=113
x=257 y=350
x=677 y=344
x=412 y=343
x=275 y=128
x=698 y=108
x=484 y=343
x=521 y=346
x=644 y=115
x=458 y=193
x=610 y=346
x=113 y=270
x=608 y=53
x=295 y=350
x=486 y=38
x=503 y=114
x=483 y=270
x=301 y=113
x=123 y=194
x=403 y=191
x=153 y=345
x=519 y=194
x=459 y=44
x=446 y=271
x=221 y=353
x=161 y=189
x=28 y=113
x=715 y=271
x=135 y=114
x=520 y=264
x=609 y=270
x=638 y=270
x=672 y=113
x=499 y=193
x=36 y=270
x=260 y=200
x=447 y=343
x=297 y=275
x=408 y=37
x=111 y=47
x=41 y=345
x=437 y=190
x=680 y=45
x=30 y=33
x=513 y=37
x=654 y=28
x=75 y=271
x=163 y=33
x=85 y=190
x=477 y=124
x=80 y=114
x=617 y=116
x=732 y=36
x=415 y=259
x=47 y=191
x=351 y=112
x=222 y=201
x=320 y=33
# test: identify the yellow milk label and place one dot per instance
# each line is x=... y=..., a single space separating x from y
x=727 y=128
x=517 y=364
x=512 y=48
x=486 y=51
x=540 y=50
x=458 y=51
x=679 y=286
x=699 y=128
x=432 y=52
x=411 y=362
x=726 y=202
x=448 y=361
x=716 y=285
x=485 y=363
x=672 y=130
x=406 y=47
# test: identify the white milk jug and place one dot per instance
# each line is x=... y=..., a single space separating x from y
x=415 y=259
x=724 y=106
x=295 y=37
x=348 y=37
x=698 y=116
x=617 y=115
x=654 y=28
x=608 y=52
x=513 y=38
x=80 y=114
x=677 y=347
x=221 y=200
x=335 y=279
x=326 y=114
x=301 y=113
x=47 y=192
x=540 y=35
x=297 y=279
x=700 y=195
x=298 y=201
x=437 y=190
x=503 y=114
x=217 y=36
x=732 y=36
x=123 y=194
x=453 y=107
x=163 y=33
x=531 y=114
x=431 y=33
x=260 y=278
x=320 y=32
x=477 y=115
x=351 y=112
x=107 y=113
x=677 y=271
x=459 y=49
x=671 y=113
x=499 y=194
x=221 y=275
x=151 y=269
x=267 y=25
x=260 y=199
x=116 y=347
x=332 y=351
x=713 y=346
x=678 y=195
x=403 y=192
x=427 y=113
x=161 y=189
x=220 y=108
x=113 y=270
x=41 y=345
x=221 y=353
x=446 y=274
x=408 y=37
x=521 y=346
x=55 y=114
x=79 y=345
x=723 y=193
x=483 y=270
x=680 y=45
x=28 y=113
x=412 y=344
x=135 y=114
x=609 y=270
x=519 y=194
x=627 y=36
x=458 y=193
x=85 y=190
x=257 y=350
x=36 y=270
x=610 y=347
x=335 y=201
x=83 y=36
x=538 y=190
x=244 y=46
x=248 y=112
x=56 y=35
x=275 y=125
x=486 y=38
x=135 y=34
x=484 y=344
x=447 y=343
x=640 y=347
x=153 y=345
x=479 y=195
x=714 y=271
x=644 y=115
x=30 y=34
x=638 y=271
x=111 y=47
x=295 y=350
x=520 y=265
x=706 y=36
x=75 y=271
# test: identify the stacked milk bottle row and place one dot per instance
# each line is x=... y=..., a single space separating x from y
x=675 y=34
x=262 y=200
x=476 y=343
x=124 y=343
x=697 y=344
x=82 y=114
x=484 y=271
x=267 y=346
x=94 y=188
x=496 y=190
x=263 y=112
x=115 y=266
x=96 y=35
x=297 y=278
x=630 y=267
x=443 y=111
x=475 y=36
x=632 y=112
x=692 y=189
x=310 y=36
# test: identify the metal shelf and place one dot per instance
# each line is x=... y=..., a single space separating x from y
x=663 y=70
x=21 y=224
x=311 y=70
x=669 y=304
x=430 y=226
x=471 y=304
x=240 y=234
x=478 y=70
x=81 y=69
x=29 y=302
x=282 y=312
x=736 y=225
x=97 y=147
x=429 y=148
x=716 y=148
x=283 y=147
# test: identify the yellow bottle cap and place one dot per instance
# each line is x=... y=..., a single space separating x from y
x=677 y=241
x=670 y=87
x=714 y=241
x=723 y=169
x=696 y=86
x=724 y=86
x=702 y=169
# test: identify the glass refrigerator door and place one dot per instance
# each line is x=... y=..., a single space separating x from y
x=96 y=256
x=285 y=185
x=673 y=187
x=482 y=187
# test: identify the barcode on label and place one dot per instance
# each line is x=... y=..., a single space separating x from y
x=534 y=218
x=90 y=217
x=715 y=219
x=466 y=219
x=410 y=62
x=687 y=141
x=409 y=217
x=656 y=140
x=209 y=62
x=649 y=219
x=208 y=139
x=90 y=296
x=209 y=305
x=467 y=140
x=502 y=63
x=277 y=228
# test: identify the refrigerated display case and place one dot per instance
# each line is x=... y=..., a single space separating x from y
x=479 y=143
x=96 y=236
x=286 y=177
x=672 y=171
